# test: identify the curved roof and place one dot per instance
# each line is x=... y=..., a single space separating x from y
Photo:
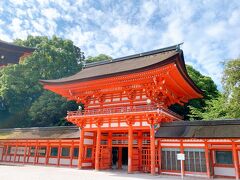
x=129 y=64
x=10 y=53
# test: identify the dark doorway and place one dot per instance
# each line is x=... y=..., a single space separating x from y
x=114 y=157
x=125 y=156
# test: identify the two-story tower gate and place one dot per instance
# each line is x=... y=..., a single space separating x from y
x=125 y=100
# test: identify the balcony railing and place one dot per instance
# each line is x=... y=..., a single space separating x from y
x=113 y=110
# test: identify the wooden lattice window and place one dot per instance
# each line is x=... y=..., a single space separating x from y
x=194 y=160
x=169 y=159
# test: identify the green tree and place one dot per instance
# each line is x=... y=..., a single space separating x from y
x=227 y=105
x=20 y=88
x=100 y=57
x=50 y=109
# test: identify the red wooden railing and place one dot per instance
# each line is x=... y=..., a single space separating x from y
x=112 y=110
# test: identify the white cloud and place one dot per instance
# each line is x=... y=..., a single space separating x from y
x=210 y=29
x=50 y=13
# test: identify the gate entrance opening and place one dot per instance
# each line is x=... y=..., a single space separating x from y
x=119 y=158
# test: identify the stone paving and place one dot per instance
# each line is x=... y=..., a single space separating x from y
x=27 y=172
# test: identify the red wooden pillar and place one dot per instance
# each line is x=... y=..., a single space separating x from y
x=182 y=151
x=140 y=149
x=25 y=153
x=15 y=153
x=47 y=153
x=6 y=153
x=59 y=153
x=152 y=148
x=130 y=148
x=97 y=153
x=35 y=154
x=71 y=153
x=110 y=144
x=80 y=149
x=207 y=160
x=120 y=158
x=235 y=160
x=159 y=156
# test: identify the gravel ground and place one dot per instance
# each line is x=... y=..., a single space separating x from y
x=8 y=172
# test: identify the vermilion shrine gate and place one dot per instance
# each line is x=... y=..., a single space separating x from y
x=125 y=101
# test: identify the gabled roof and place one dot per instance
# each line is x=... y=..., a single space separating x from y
x=11 y=53
x=200 y=129
x=121 y=65
x=57 y=132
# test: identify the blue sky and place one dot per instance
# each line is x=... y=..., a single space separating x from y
x=210 y=29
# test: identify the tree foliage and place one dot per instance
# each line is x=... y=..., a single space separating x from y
x=20 y=88
x=100 y=57
x=227 y=105
x=50 y=109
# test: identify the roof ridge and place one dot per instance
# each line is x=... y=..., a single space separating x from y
x=147 y=53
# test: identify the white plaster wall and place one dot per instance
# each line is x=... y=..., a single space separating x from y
x=145 y=124
x=21 y=159
x=1 y=152
x=137 y=124
x=41 y=160
x=193 y=144
x=123 y=124
x=75 y=162
x=224 y=171
x=65 y=161
x=31 y=159
x=52 y=160
x=88 y=133
x=114 y=124
x=12 y=158
x=8 y=158
x=87 y=164
x=88 y=141
x=87 y=126
x=105 y=125
x=170 y=144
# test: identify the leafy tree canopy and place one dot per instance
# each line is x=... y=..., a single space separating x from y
x=227 y=105
x=20 y=88
x=100 y=57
